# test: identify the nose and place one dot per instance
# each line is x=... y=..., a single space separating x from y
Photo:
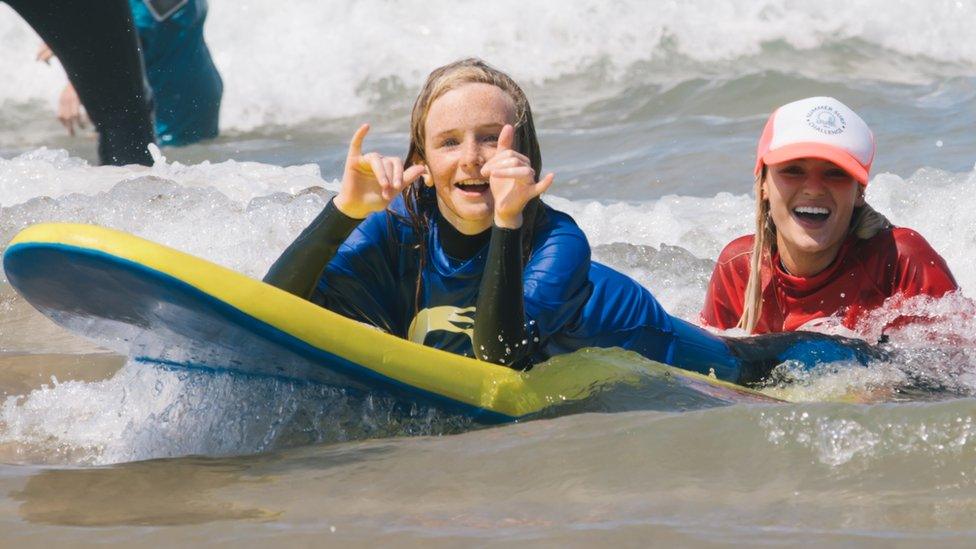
x=815 y=183
x=471 y=156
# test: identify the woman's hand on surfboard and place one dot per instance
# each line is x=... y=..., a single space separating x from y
x=371 y=181
x=512 y=181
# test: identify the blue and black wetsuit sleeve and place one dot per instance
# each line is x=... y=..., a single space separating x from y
x=759 y=355
x=300 y=267
x=500 y=334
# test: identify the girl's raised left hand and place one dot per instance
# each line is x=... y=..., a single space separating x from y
x=512 y=181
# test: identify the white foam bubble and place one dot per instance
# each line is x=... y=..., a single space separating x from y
x=249 y=211
x=861 y=437
x=302 y=60
x=53 y=173
x=144 y=412
x=25 y=78
x=243 y=214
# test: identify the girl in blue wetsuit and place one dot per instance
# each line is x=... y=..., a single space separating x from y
x=456 y=251
x=468 y=259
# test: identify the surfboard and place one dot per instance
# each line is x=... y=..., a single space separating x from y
x=164 y=307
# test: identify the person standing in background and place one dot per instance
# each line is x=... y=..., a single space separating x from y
x=99 y=50
x=186 y=87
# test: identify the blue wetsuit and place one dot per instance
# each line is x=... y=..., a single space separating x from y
x=369 y=273
x=622 y=313
x=186 y=85
x=570 y=303
x=373 y=275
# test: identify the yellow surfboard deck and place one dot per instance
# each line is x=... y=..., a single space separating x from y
x=163 y=306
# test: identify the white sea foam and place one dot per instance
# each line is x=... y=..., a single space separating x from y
x=291 y=63
x=143 y=412
x=938 y=204
x=243 y=214
x=250 y=205
x=302 y=60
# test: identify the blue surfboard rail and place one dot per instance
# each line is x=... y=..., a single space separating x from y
x=164 y=307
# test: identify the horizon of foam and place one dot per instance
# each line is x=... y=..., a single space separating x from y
x=259 y=208
x=349 y=56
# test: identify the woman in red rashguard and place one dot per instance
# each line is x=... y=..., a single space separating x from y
x=819 y=251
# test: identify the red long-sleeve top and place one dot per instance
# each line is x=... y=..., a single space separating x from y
x=864 y=274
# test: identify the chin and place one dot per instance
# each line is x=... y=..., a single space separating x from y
x=810 y=245
x=474 y=212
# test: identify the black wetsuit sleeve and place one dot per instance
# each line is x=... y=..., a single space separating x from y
x=97 y=45
x=300 y=267
x=499 y=325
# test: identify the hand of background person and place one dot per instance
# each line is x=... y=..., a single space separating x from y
x=371 y=181
x=70 y=112
x=44 y=54
x=512 y=181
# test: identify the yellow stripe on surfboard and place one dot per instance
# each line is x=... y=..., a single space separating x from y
x=484 y=385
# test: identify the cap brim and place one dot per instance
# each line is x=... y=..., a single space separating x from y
x=824 y=152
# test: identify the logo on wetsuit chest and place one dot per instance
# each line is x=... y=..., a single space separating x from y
x=446 y=318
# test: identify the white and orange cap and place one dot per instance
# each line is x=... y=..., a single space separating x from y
x=818 y=127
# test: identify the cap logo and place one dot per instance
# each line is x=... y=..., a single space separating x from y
x=826 y=119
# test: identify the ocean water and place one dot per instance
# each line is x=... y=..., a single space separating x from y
x=648 y=114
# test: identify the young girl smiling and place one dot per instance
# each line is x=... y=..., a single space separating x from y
x=819 y=250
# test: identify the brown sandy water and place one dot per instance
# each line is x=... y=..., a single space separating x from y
x=815 y=473
x=650 y=125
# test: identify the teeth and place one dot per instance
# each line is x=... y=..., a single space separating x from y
x=467 y=182
x=811 y=210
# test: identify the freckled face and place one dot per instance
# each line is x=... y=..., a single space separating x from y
x=811 y=202
x=461 y=134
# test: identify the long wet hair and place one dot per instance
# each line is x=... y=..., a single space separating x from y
x=440 y=81
x=865 y=223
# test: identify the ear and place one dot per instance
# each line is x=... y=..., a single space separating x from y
x=859 y=199
x=428 y=180
x=763 y=191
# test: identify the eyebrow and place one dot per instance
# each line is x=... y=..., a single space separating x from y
x=492 y=126
x=800 y=163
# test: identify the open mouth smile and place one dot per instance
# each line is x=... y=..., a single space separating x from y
x=473 y=186
x=811 y=214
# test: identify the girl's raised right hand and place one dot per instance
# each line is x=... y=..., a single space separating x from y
x=371 y=181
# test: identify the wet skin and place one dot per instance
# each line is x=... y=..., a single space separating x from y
x=811 y=202
x=462 y=133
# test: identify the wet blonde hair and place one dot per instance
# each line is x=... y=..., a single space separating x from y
x=473 y=71
x=442 y=80
x=865 y=223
